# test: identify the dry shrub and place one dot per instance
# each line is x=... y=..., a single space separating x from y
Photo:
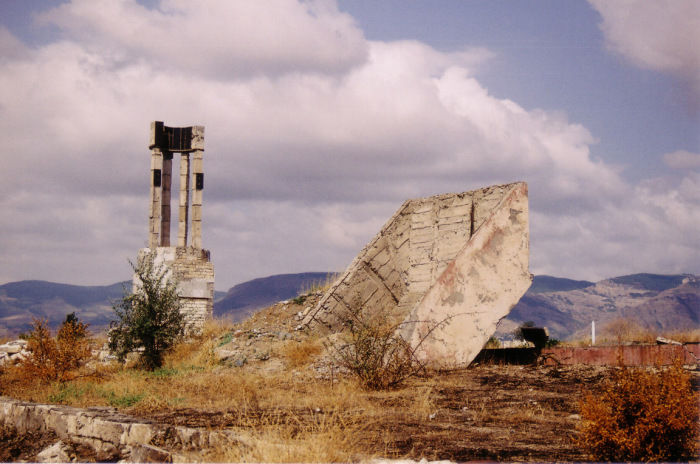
x=683 y=336
x=627 y=330
x=56 y=358
x=374 y=350
x=321 y=285
x=642 y=415
x=216 y=327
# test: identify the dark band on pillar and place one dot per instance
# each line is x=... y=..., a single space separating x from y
x=164 y=142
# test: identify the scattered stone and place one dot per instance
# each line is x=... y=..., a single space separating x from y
x=54 y=453
x=13 y=351
x=223 y=355
x=10 y=348
x=150 y=453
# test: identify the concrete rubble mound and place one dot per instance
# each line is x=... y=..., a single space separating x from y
x=449 y=266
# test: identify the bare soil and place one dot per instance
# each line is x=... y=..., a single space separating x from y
x=499 y=413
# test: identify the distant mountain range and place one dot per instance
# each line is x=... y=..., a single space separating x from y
x=565 y=306
x=20 y=302
x=244 y=299
x=657 y=302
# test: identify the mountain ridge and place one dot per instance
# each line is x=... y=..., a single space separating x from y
x=566 y=306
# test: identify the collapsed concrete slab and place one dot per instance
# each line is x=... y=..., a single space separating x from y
x=449 y=266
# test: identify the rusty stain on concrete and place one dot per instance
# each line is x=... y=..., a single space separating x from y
x=449 y=266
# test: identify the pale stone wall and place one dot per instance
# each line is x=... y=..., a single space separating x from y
x=479 y=287
x=396 y=270
x=193 y=272
x=110 y=433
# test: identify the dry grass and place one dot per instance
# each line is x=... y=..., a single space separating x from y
x=683 y=336
x=320 y=285
x=301 y=354
x=286 y=415
x=335 y=436
x=294 y=413
x=626 y=330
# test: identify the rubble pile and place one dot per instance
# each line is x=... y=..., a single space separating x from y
x=259 y=337
x=13 y=351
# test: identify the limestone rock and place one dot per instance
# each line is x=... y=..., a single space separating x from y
x=149 y=453
x=54 y=453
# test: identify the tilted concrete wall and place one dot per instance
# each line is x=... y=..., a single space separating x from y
x=450 y=266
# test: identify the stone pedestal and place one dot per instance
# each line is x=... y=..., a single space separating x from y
x=193 y=271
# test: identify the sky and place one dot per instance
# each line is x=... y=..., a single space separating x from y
x=322 y=117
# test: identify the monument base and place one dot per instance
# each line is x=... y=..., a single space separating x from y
x=193 y=272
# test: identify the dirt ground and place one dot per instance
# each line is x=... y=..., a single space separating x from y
x=485 y=413
x=494 y=413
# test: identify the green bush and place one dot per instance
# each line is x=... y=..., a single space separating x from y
x=149 y=318
x=642 y=415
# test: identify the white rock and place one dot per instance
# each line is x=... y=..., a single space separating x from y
x=10 y=348
x=54 y=453
x=222 y=354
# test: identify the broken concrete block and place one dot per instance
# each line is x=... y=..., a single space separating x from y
x=449 y=266
x=54 y=453
x=150 y=453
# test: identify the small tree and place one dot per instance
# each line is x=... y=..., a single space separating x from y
x=518 y=333
x=149 y=317
x=56 y=358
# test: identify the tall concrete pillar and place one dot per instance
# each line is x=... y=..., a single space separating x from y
x=154 y=217
x=184 y=200
x=198 y=184
x=165 y=199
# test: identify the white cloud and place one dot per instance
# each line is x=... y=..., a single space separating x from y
x=682 y=159
x=309 y=149
x=214 y=38
x=661 y=35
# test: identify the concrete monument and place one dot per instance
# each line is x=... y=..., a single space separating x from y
x=449 y=266
x=189 y=263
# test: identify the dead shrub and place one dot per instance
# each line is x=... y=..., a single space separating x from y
x=642 y=415
x=56 y=358
x=375 y=352
x=627 y=330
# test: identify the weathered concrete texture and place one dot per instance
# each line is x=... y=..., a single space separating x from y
x=449 y=266
x=190 y=264
x=109 y=433
x=193 y=271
